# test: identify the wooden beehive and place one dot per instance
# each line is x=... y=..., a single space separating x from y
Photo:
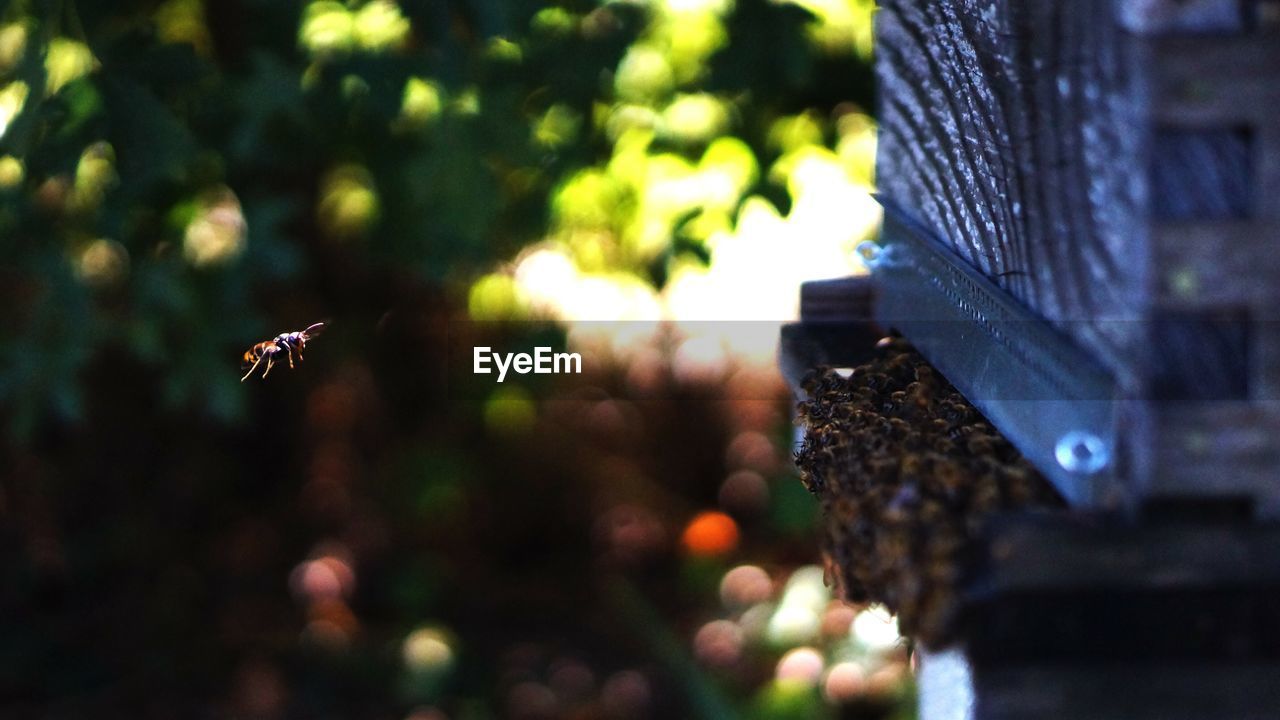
x=1114 y=165
x=1082 y=203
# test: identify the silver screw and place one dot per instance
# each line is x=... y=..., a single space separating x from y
x=1081 y=452
x=870 y=253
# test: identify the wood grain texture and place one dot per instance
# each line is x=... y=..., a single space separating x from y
x=1050 y=148
x=1004 y=126
x=1115 y=166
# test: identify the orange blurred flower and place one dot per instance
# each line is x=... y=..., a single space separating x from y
x=710 y=533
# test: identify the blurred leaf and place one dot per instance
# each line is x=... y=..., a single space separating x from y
x=152 y=144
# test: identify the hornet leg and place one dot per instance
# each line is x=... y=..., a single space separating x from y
x=255 y=367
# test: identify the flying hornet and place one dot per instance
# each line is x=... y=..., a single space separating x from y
x=284 y=343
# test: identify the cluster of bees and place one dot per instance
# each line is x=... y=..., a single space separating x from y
x=907 y=472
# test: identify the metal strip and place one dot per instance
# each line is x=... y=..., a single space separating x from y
x=1048 y=397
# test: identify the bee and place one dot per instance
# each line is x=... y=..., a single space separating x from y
x=286 y=343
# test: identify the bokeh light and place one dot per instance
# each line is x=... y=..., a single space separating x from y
x=837 y=619
x=103 y=263
x=744 y=586
x=845 y=682
x=349 y=203
x=427 y=649
x=66 y=61
x=792 y=624
x=841 y=26
x=422 y=103
x=802 y=665
x=12 y=172
x=752 y=450
x=216 y=232
x=876 y=628
x=379 y=25
x=719 y=643
x=710 y=533
x=95 y=175
x=557 y=126
x=625 y=544
x=744 y=493
x=12 y=98
x=13 y=44
x=327 y=27
x=183 y=21
x=326 y=577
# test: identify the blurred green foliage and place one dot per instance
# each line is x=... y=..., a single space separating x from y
x=177 y=174
x=182 y=179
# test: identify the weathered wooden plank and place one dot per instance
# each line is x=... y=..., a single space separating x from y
x=1002 y=124
x=1196 y=271
x=1242 y=88
x=1115 y=166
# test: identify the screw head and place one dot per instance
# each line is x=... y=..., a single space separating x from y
x=1082 y=452
x=870 y=253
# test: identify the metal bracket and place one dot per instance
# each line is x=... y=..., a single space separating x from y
x=1053 y=401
